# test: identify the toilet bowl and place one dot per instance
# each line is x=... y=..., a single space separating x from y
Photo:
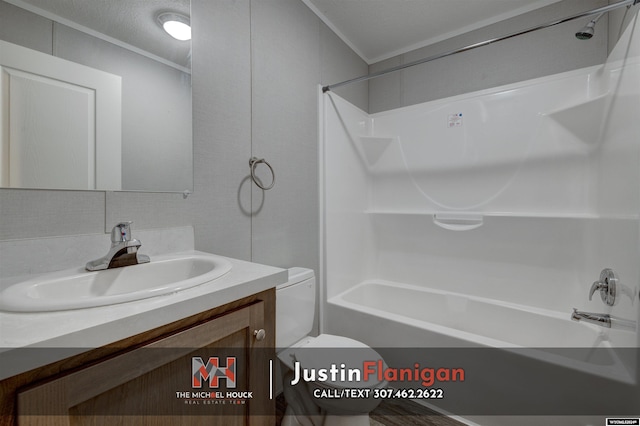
x=323 y=381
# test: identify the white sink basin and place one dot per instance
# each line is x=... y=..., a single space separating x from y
x=78 y=288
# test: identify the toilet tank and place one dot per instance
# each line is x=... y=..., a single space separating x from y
x=295 y=307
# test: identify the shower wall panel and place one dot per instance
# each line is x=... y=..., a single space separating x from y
x=349 y=248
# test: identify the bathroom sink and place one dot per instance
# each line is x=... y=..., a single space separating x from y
x=78 y=288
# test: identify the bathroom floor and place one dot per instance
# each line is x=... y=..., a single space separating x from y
x=392 y=413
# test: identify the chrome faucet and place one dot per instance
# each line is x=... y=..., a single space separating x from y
x=601 y=319
x=123 y=251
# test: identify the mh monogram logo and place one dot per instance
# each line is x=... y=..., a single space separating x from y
x=213 y=372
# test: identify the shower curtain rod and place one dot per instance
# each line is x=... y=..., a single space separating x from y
x=603 y=9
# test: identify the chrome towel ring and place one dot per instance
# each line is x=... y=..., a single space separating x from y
x=253 y=162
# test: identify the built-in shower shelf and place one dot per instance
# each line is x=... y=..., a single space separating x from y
x=572 y=118
x=523 y=215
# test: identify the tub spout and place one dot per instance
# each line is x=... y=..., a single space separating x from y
x=603 y=320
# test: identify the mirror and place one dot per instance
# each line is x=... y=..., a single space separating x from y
x=106 y=104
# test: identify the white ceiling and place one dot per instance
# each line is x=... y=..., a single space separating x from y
x=374 y=29
x=380 y=29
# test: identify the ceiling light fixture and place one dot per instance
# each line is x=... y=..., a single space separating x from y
x=176 y=25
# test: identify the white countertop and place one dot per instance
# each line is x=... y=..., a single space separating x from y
x=71 y=332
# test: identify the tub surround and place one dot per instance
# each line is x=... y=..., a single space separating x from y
x=481 y=221
x=506 y=193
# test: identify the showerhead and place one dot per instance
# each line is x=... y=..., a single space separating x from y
x=588 y=30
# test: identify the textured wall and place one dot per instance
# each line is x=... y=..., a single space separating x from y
x=293 y=52
x=256 y=67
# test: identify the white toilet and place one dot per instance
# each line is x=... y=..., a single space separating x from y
x=295 y=309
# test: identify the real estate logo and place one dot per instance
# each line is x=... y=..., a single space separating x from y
x=209 y=374
x=212 y=371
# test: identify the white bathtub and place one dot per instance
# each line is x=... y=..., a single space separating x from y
x=397 y=313
x=552 y=360
x=470 y=319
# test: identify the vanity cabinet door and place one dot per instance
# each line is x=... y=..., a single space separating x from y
x=151 y=385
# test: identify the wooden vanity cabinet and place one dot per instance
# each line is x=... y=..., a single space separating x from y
x=147 y=379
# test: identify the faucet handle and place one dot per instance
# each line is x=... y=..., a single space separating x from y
x=597 y=285
x=121 y=232
x=607 y=286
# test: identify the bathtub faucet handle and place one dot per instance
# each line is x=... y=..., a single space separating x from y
x=597 y=285
x=606 y=285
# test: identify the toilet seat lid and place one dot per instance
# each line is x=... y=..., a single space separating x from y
x=345 y=354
